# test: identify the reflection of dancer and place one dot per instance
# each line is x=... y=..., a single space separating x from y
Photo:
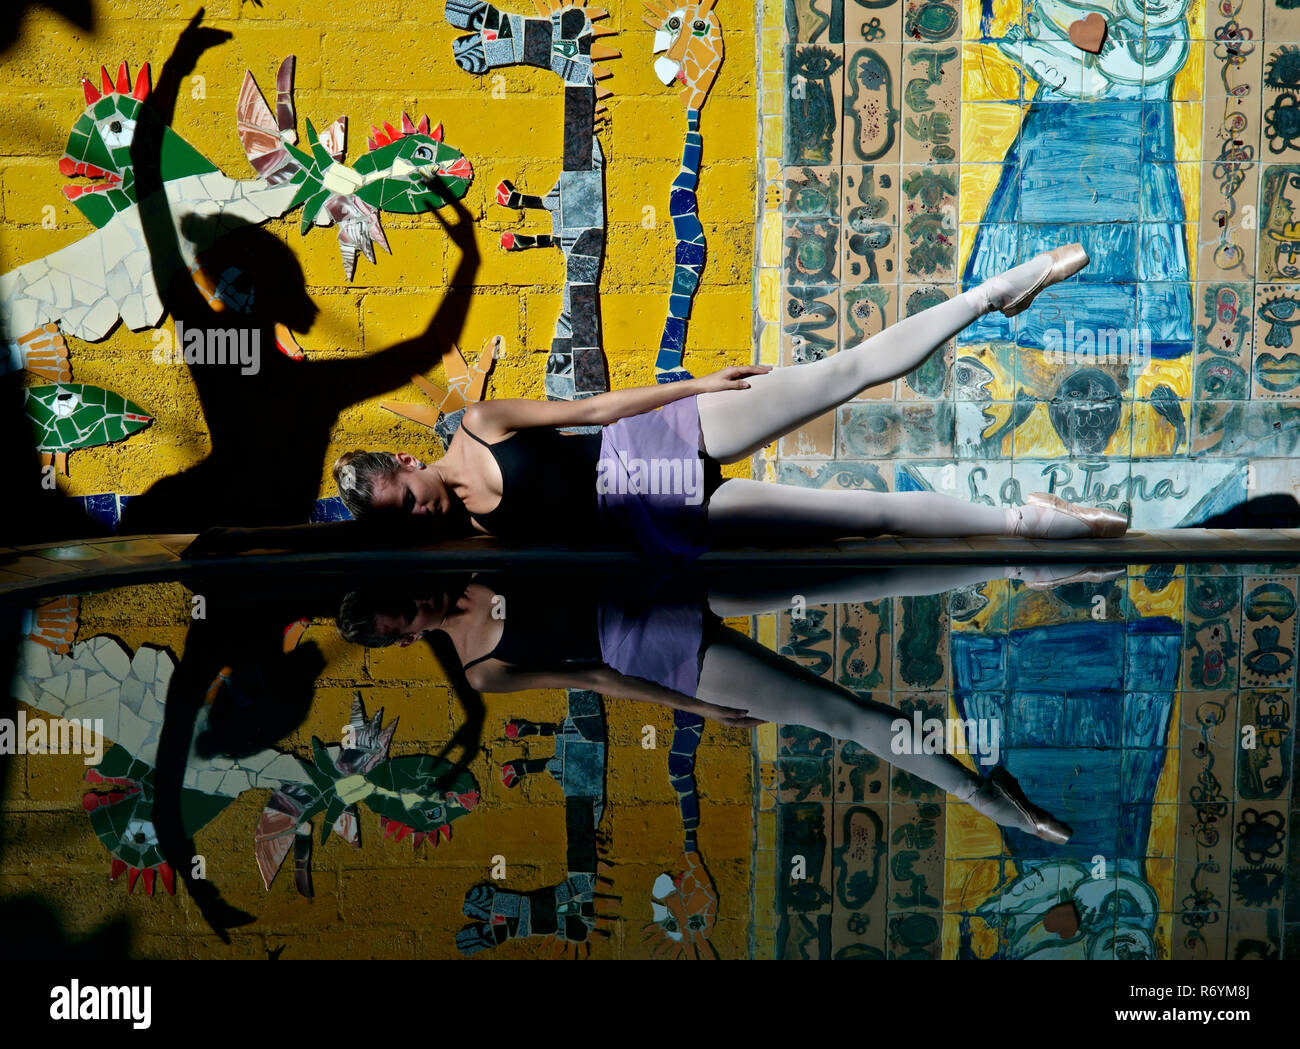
x=656 y=475
x=1098 y=134
x=676 y=652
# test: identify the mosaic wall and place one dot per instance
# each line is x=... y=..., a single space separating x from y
x=1127 y=726
x=566 y=129
x=912 y=148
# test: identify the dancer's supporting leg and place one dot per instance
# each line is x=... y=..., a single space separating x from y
x=748 y=510
x=736 y=423
x=739 y=673
x=743 y=509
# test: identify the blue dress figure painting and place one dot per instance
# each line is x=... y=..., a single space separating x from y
x=1094 y=163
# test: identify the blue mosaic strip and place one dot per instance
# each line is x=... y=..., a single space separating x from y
x=107 y=507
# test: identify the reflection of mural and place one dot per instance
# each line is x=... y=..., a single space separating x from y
x=1129 y=728
x=684 y=904
x=408 y=793
x=1112 y=740
x=99 y=679
x=563 y=41
x=1181 y=844
x=571 y=912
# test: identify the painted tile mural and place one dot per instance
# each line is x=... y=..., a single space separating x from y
x=913 y=148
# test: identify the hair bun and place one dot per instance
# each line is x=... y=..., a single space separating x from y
x=342 y=461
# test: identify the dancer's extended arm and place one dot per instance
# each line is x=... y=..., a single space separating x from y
x=491 y=419
x=493 y=676
x=354 y=378
x=325 y=537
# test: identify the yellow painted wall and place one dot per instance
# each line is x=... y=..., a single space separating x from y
x=370 y=60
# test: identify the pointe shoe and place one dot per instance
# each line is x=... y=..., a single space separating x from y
x=1093 y=574
x=1066 y=262
x=1000 y=789
x=1102 y=523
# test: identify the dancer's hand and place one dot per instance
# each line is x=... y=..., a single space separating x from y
x=732 y=378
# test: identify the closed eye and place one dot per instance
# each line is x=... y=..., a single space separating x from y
x=408 y=502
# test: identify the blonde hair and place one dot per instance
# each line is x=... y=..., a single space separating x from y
x=356 y=473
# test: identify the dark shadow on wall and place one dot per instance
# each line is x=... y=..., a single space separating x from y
x=30 y=928
x=81 y=13
x=269 y=419
x=33 y=513
x=1265 y=511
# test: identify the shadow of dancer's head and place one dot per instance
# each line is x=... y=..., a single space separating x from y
x=249 y=275
x=259 y=701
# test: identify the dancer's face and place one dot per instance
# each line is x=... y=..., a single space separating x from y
x=415 y=620
x=416 y=489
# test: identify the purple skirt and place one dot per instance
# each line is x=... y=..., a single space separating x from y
x=660 y=643
x=654 y=482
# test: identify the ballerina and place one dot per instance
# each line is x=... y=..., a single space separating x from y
x=503 y=634
x=653 y=478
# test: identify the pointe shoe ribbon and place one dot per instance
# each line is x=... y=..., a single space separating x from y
x=1066 y=262
x=1102 y=523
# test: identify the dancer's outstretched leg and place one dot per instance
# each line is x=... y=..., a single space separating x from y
x=738 y=673
x=736 y=423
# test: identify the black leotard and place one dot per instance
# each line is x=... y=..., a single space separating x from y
x=548 y=484
x=545 y=630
